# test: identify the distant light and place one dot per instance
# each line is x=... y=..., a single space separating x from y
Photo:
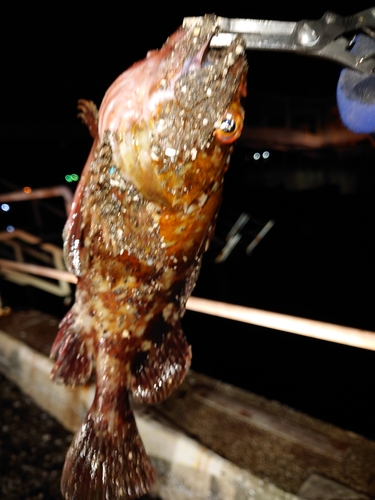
x=10 y=229
x=5 y=207
x=71 y=177
x=256 y=156
x=27 y=190
x=266 y=155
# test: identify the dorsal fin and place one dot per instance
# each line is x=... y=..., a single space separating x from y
x=72 y=234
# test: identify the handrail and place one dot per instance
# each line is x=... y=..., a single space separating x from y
x=47 y=272
x=353 y=337
x=37 y=194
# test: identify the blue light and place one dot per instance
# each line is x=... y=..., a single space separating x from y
x=5 y=207
x=10 y=229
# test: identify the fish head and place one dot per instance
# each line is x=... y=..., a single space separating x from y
x=172 y=119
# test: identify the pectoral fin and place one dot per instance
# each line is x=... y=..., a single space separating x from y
x=159 y=371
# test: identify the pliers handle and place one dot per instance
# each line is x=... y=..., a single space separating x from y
x=329 y=37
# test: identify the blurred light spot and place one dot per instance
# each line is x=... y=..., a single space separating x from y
x=266 y=155
x=71 y=177
x=27 y=189
x=10 y=229
x=5 y=207
x=256 y=156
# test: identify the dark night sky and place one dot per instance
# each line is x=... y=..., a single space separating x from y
x=54 y=54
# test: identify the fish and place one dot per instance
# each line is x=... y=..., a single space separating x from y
x=142 y=217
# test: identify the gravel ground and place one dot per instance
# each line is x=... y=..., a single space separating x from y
x=32 y=448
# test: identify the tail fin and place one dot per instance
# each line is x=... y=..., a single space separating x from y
x=106 y=458
x=73 y=362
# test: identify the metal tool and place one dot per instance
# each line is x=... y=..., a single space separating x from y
x=329 y=37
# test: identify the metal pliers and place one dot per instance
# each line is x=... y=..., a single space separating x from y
x=330 y=37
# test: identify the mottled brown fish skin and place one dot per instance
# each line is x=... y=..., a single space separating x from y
x=143 y=215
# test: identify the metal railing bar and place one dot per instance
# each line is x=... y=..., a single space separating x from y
x=330 y=332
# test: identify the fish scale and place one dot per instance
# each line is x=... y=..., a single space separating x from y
x=143 y=214
x=132 y=225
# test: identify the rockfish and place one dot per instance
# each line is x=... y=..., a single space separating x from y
x=142 y=216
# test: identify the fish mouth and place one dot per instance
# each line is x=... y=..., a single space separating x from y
x=225 y=59
x=199 y=59
x=212 y=73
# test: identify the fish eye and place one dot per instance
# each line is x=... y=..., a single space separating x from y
x=230 y=127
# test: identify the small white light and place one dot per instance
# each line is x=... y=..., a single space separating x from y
x=10 y=229
x=256 y=156
x=266 y=155
x=5 y=207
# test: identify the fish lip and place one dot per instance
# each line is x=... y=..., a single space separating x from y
x=225 y=61
x=198 y=59
x=206 y=29
x=205 y=55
